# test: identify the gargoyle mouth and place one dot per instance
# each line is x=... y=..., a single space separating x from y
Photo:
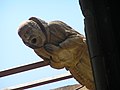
x=34 y=40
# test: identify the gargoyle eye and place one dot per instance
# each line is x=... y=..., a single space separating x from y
x=29 y=31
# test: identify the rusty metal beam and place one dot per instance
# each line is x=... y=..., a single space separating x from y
x=23 y=68
x=40 y=82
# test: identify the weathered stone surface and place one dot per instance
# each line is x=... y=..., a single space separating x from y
x=61 y=45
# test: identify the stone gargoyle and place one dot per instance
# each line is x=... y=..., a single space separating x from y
x=61 y=45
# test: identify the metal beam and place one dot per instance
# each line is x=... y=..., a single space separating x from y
x=40 y=82
x=23 y=68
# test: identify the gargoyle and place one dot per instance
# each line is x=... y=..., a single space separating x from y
x=61 y=45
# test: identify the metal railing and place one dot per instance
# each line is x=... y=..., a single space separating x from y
x=34 y=83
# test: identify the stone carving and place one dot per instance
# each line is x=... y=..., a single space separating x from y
x=61 y=45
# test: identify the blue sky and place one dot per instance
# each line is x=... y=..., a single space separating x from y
x=15 y=53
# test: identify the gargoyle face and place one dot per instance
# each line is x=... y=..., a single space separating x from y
x=31 y=34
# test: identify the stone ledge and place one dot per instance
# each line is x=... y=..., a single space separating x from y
x=72 y=87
